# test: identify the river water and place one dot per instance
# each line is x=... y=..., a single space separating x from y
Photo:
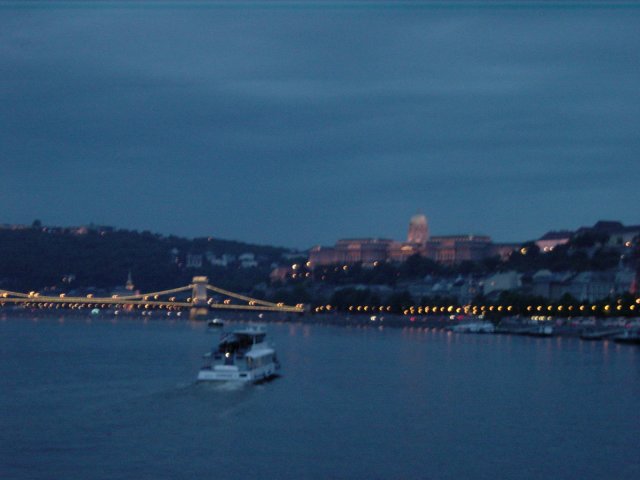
x=102 y=398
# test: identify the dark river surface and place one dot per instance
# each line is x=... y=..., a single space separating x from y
x=102 y=398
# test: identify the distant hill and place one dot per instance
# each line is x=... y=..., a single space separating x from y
x=37 y=257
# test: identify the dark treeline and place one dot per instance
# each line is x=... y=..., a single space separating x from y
x=33 y=259
x=38 y=258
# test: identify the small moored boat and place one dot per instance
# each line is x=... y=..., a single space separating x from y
x=215 y=323
x=540 y=331
x=629 y=336
x=475 y=327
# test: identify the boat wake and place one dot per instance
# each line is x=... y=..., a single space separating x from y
x=221 y=386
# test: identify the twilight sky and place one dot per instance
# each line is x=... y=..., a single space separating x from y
x=298 y=125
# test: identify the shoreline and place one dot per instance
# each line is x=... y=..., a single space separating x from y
x=575 y=327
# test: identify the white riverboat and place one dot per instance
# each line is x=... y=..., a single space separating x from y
x=241 y=355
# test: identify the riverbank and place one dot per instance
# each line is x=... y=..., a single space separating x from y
x=589 y=328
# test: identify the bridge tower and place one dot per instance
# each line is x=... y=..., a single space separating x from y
x=200 y=307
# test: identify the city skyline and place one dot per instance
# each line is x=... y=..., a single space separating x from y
x=301 y=126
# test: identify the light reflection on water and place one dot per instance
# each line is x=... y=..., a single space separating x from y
x=99 y=398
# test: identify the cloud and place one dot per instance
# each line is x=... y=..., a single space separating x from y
x=300 y=126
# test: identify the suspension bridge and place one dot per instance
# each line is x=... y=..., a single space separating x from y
x=199 y=296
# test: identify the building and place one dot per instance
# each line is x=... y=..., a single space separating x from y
x=418 y=230
x=454 y=249
x=248 y=260
x=352 y=250
x=194 y=260
x=502 y=282
x=551 y=240
x=443 y=249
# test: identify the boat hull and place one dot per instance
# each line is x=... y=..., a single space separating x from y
x=259 y=374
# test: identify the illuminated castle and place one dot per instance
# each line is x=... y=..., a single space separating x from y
x=449 y=249
x=418 y=230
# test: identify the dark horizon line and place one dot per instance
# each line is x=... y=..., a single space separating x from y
x=293 y=249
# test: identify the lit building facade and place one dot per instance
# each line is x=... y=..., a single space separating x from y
x=443 y=249
x=353 y=250
x=418 y=230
